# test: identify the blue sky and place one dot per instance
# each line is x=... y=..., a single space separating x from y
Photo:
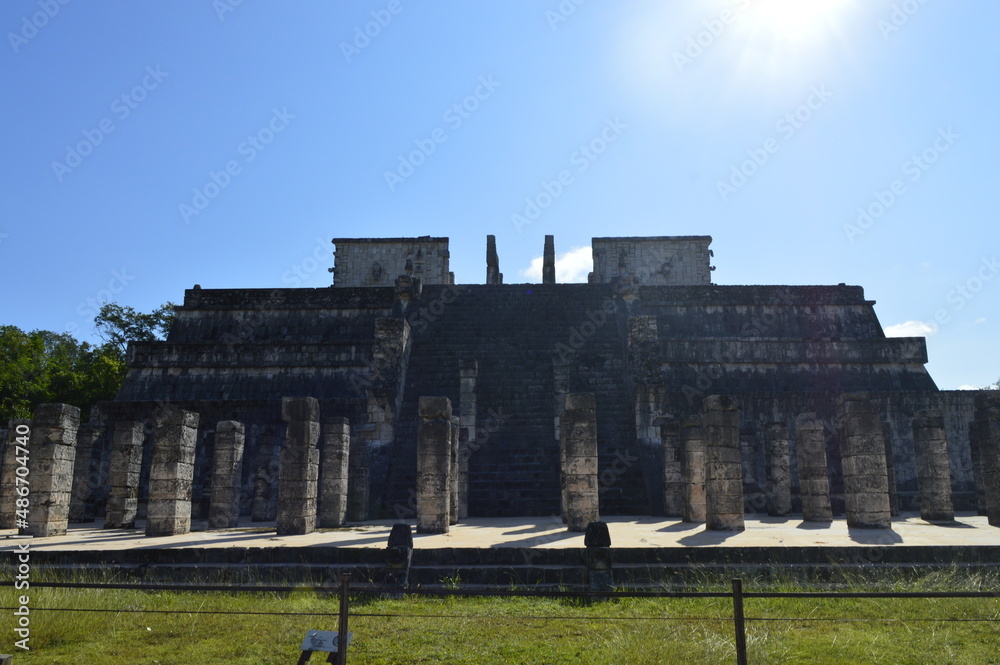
x=150 y=146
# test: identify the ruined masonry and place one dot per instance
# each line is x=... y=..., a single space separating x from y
x=703 y=401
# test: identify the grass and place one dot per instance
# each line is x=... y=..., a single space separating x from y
x=521 y=630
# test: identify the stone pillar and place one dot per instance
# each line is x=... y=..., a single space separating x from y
x=890 y=468
x=724 y=468
x=18 y=431
x=560 y=377
x=467 y=373
x=298 y=467
x=779 y=470
x=336 y=471
x=977 y=469
x=597 y=541
x=453 y=474
x=673 y=475
x=814 y=477
x=265 y=478
x=123 y=476
x=549 y=261
x=988 y=436
x=86 y=475
x=227 y=472
x=358 y=485
x=578 y=442
x=171 y=473
x=493 y=274
x=933 y=468
x=862 y=449
x=693 y=469
x=51 y=461
x=434 y=465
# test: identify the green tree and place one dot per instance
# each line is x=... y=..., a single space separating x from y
x=118 y=324
x=21 y=373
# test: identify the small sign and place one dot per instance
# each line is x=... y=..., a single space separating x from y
x=323 y=640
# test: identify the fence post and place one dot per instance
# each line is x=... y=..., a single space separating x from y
x=345 y=589
x=741 y=636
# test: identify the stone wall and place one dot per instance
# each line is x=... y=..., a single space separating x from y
x=665 y=261
x=379 y=261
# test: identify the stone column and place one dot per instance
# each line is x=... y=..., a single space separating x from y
x=298 y=467
x=336 y=463
x=86 y=475
x=493 y=274
x=862 y=449
x=51 y=461
x=988 y=436
x=673 y=475
x=724 y=468
x=453 y=475
x=890 y=468
x=171 y=473
x=227 y=472
x=814 y=477
x=467 y=373
x=434 y=465
x=560 y=377
x=358 y=485
x=18 y=431
x=977 y=469
x=694 y=461
x=779 y=470
x=933 y=468
x=549 y=261
x=265 y=478
x=123 y=476
x=578 y=430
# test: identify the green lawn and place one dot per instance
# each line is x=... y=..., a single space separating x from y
x=516 y=630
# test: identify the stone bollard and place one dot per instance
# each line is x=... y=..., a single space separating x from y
x=18 y=435
x=335 y=460
x=597 y=541
x=673 y=474
x=51 y=460
x=298 y=467
x=814 y=477
x=86 y=475
x=933 y=468
x=724 y=468
x=434 y=465
x=398 y=554
x=988 y=437
x=123 y=475
x=227 y=473
x=693 y=469
x=171 y=473
x=862 y=449
x=578 y=444
x=779 y=470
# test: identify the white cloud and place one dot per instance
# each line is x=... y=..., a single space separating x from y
x=911 y=329
x=571 y=267
x=981 y=319
x=968 y=386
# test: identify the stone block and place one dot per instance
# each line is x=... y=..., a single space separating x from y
x=298 y=409
x=435 y=408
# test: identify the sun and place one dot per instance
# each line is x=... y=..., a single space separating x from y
x=795 y=20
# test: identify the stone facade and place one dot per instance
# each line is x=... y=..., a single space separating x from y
x=379 y=261
x=663 y=261
x=648 y=350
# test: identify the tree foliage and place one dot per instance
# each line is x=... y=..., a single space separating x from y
x=41 y=366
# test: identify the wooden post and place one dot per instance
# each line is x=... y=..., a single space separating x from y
x=741 y=636
x=345 y=588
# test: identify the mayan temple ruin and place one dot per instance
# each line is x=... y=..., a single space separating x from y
x=397 y=394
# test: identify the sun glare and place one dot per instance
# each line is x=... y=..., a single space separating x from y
x=795 y=20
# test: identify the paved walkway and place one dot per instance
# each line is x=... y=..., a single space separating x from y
x=541 y=532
